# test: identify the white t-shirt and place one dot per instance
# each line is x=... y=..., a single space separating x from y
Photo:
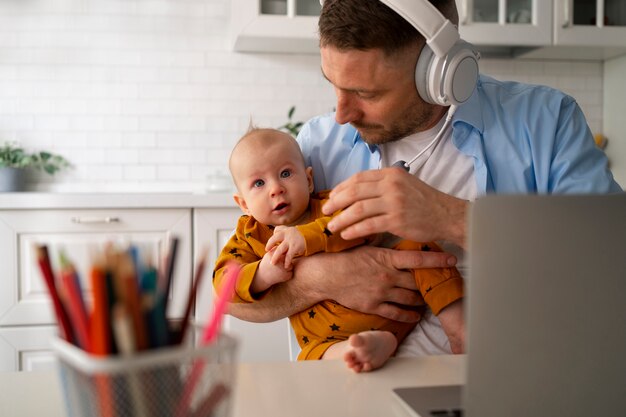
x=445 y=168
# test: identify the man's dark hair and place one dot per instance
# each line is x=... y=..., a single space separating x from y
x=369 y=24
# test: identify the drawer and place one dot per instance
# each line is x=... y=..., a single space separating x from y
x=23 y=296
x=27 y=348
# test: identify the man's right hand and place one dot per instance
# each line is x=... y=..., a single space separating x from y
x=372 y=280
x=367 y=279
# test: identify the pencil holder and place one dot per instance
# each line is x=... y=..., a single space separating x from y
x=180 y=381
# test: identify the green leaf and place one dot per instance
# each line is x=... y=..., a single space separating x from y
x=14 y=156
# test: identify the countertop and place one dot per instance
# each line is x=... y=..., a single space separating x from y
x=35 y=200
x=305 y=389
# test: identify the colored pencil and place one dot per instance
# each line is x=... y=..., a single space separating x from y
x=124 y=334
x=217 y=394
x=169 y=271
x=131 y=299
x=43 y=259
x=76 y=306
x=192 y=295
x=222 y=299
x=100 y=319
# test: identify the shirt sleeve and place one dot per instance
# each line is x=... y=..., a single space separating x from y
x=239 y=249
x=578 y=165
x=440 y=287
x=319 y=239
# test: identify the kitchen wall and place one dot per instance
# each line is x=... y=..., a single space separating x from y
x=146 y=95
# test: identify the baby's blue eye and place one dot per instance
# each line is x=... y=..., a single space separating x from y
x=259 y=183
x=285 y=174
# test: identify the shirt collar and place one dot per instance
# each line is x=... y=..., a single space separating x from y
x=470 y=112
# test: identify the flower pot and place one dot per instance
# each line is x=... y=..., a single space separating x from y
x=12 y=179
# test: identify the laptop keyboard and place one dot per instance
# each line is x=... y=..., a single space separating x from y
x=447 y=413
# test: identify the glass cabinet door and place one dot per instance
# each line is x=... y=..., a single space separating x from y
x=290 y=7
x=275 y=25
x=277 y=7
x=590 y=23
x=599 y=13
x=506 y=22
x=507 y=11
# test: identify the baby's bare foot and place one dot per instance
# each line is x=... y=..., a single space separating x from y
x=369 y=350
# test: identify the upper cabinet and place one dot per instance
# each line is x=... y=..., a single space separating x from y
x=505 y=22
x=598 y=26
x=275 y=25
x=567 y=29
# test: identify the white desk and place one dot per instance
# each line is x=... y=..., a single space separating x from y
x=283 y=389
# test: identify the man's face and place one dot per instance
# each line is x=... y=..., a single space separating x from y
x=376 y=93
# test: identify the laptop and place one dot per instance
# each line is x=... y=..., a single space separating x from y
x=546 y=310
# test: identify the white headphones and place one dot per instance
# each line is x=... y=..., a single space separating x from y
x=447 y=68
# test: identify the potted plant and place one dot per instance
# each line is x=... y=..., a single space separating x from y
x=15 y=162
x=292 y=127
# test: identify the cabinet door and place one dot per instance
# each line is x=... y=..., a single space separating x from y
x=24 y=298
x=590 y=23
x=506 y=22
x=26 y=348
x=275 y=25
x=258 y=342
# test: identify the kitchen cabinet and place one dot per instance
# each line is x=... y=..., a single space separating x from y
x=26 y=348
x=555 y=29
x=80 y=222
x=258 y=341
x=506 y=22
x=275 y=25
x=26 y=314
x=590 y=23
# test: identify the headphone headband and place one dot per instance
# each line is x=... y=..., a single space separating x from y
x=440 y=33
x=447 y=68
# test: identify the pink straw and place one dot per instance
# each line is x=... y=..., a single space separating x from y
x=221 y=302
x=210 y=333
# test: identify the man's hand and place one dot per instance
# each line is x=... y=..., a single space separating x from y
x=392 y=200
x=287 y=243
x=370 y=279
x=366 y=279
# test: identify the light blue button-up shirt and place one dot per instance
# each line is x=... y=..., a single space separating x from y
x=523 y=139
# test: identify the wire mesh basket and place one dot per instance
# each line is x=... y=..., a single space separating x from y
x=180 y=381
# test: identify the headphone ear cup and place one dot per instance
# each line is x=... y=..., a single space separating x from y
x=449 y=80
x=422 y=71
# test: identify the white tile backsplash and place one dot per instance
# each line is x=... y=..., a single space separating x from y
x=147 y=95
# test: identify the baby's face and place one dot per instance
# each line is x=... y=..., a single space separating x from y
x=273 y=183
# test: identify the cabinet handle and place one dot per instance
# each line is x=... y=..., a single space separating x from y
x=94 y=220
x=566 y=17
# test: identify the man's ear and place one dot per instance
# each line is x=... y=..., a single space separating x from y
x=309 y=177
x=241 y=203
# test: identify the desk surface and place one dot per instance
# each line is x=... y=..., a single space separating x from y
x=303 y=389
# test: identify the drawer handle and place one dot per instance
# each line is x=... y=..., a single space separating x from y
x=95 y=220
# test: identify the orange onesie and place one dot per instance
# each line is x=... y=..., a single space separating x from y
x=329 y=322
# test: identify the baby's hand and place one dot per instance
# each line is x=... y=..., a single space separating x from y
x=289 y=244
x=269 y=274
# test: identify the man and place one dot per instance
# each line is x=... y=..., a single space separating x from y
x=507 y=138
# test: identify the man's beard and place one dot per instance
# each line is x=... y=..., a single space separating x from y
x=416 y=119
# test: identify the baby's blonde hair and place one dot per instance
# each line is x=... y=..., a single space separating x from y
x=256 y=133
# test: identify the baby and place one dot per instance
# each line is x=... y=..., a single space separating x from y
x=283 y=221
